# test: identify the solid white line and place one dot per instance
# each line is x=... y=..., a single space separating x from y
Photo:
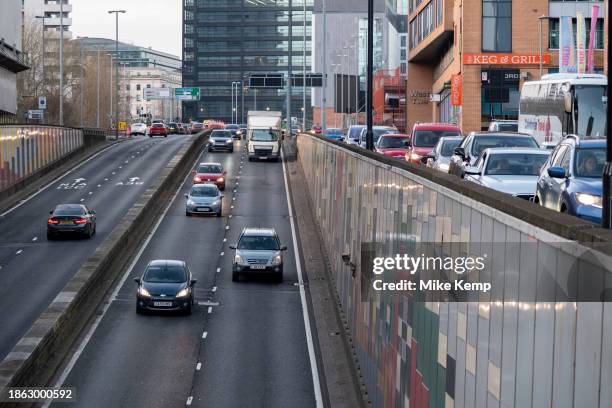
x=189 y=400
x=56 y=180
x=313 y=361
x=113 y=296
x=204 y=335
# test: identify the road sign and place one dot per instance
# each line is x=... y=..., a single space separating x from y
x=157 y=93
x=42 y=102
x=267 y=81
x=36 y=114
x=312 y=80
x=187 y=94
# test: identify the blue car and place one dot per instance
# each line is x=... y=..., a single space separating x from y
x=334 y=134
x=571 y=179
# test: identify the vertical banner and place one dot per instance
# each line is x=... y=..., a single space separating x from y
x=456 y=90
x=592 y=37
x=580 y=43
x=565 y=43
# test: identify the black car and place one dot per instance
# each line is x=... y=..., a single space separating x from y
x=165 y=285
x=234 y=129
x=221 y=140
x=74 y=219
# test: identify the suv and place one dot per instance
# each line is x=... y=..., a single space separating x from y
x=466 y=154
x=503 y=126
x=221 y=140
x=425 y=136
x=571 y=179
x=258 y=250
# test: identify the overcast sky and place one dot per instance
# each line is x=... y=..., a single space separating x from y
x=154 y=23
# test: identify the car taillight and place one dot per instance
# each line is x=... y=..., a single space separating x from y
x=220 y=179
x=52 y=221
x=80 y=221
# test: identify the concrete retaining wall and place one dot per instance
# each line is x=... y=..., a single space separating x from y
x=39 y=353
x=469 y=354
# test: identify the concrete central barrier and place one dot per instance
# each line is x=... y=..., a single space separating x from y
x=541 y=349
x=37 y=356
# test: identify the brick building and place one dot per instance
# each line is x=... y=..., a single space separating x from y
x=486 y=49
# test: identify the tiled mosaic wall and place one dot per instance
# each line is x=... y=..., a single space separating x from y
x=486 y=354
x=27 y=149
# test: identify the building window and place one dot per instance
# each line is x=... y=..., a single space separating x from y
x=138 y=87
x=497 y=26
x=553 y=33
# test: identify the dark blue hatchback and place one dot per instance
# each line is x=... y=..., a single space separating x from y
x=571 y=180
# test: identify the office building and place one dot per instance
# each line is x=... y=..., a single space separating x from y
x=50 y=9
x=226 y=42
x=11 y=58
x=487 y=49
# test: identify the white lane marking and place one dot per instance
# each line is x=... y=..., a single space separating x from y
x=232 y=207
x=229 y=216
x=222 y=253
x=105 y=179
x=18 y=252
x=218 y=270
x=224 y=239
x=209 y=309
x=90 y=193
x=34 y=239
x=198 y=366
x=227 y=227
x=189 y=400
x=82 y=199
x=313 y=361
x=214 y=289
x=127 y=161
x=56 y=180
x=113 y=172
x=233 y=198
x=120 y=167
x=94 y=326
x=204 y=335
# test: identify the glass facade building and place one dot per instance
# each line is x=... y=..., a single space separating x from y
x=226 y=41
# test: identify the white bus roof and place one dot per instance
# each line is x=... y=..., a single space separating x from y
x=596 y=79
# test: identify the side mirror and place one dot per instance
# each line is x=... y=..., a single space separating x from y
x=193 y=282
x=557 y=172
x=426 y=158
x=473 y=171
x=460 y=151
x=137 y=280
x=407 y=143
x=233 y=246
x=92 y=212
x=567 y=102
x=284 y=248
x=51 y=212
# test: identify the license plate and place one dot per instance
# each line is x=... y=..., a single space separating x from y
x=263 y=157
x=203 y=209
x=66 y=222
x=258 y=266
x=162 y=304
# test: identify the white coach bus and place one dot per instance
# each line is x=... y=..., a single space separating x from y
x=562 y=104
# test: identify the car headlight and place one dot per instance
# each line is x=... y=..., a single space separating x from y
x=228 y=141
x=238 y=259
x=589 y=199
x=277 y=260
x=216 y=203
x=143 y=292
x=415 y=156
x=190 y=202
x=444 y=167
x=182 y=293
x=239 y=133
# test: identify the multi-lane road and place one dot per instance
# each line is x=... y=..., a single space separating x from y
x=34 y=270
x=246 y=344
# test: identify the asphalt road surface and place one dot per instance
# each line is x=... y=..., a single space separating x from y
x=34 y=270
x=245 y=344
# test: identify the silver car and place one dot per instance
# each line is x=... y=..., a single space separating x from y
x=258 y=250
x=513 y=171
x=377 y=131
x=439 y=157
x=204 y=199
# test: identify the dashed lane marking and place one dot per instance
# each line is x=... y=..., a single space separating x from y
x=209 y=309
x=34 y=239
x=214 y=289
x=18 y=252
x=204 y=335
x=198 y=366
x=189 y=400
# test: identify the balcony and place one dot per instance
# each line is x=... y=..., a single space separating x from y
x=55 y=21
x=55 y=8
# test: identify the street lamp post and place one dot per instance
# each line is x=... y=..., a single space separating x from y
x=607 y=173
x=116 y=12
x=324 y=90
x=81 y=87
x=370 y=72
x=541 y=18
x=61 y=64
x=304 y=69
x=98 y=90
x=43 y=53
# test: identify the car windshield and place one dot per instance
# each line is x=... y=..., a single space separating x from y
x=165 y=274
x=172 y=124
x=263 y=135
x=354 y=132
x=507 y=127
x=69 y=211
x=393 y=142
x=590 y=162
x=590 y=110
x=515 y=164
x=448 y=147
x=485 y=142
x=204 y=191
x=429 y=138
x=158 y=125
x=258 y=243
x=231 y=127
x=333 y=131
x=376 y=133
x=210 y=168
x=221 y=134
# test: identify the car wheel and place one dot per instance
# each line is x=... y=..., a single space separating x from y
x=235 y=276
x=231 y=150
x=188 y=310
x=50 y=236
x=139 y=310
x=165 y=135
x=187 y=213
x=220 y=213
x=250 y=159
x=150 y=135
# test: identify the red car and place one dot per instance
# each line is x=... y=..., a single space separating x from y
x=316 y=130
x=158 y=129
x=425 y=136
x=210 y=173
x=393 y=145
